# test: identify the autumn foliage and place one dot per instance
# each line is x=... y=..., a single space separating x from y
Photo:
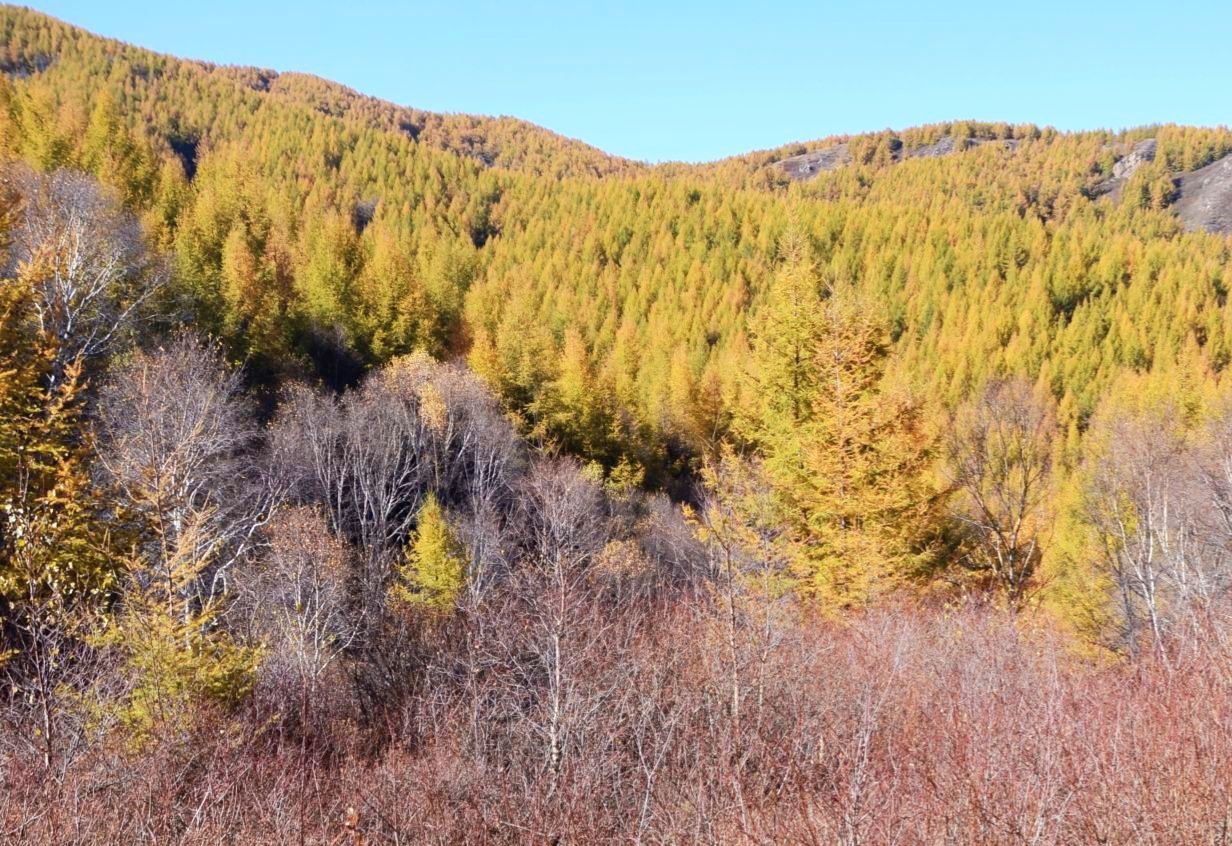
x=370 y=477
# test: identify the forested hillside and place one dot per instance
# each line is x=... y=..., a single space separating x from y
x=372 y=474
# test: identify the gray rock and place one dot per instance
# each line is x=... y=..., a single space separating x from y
x=807 y=165
x=1205 y=202
x=1143 y=152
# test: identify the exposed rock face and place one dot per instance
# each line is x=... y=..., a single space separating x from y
x=1143 y=152
x=949 y=144
x=1204 y=196
x=1205 y=202
x=943 y=147
x=807 y=165
x=1125 y=167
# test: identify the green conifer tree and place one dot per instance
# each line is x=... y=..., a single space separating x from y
x=432 y=572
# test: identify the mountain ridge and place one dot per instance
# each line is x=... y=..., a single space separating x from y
x=32 y=41
x=476 y=136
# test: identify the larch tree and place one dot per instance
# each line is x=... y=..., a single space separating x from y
x=57 y=567
x=432 y=573
x=50 y=546
x=847 y=455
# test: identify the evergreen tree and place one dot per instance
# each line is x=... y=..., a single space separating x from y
x=432 y=572
x=52 y=546
x=847 y=456
x=166 y=633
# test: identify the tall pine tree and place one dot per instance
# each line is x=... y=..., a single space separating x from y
x=846 y=455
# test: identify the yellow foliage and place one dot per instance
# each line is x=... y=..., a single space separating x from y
x=432 y=572
x=172 y=650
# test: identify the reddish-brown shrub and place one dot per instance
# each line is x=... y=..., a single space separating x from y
x=901 y=726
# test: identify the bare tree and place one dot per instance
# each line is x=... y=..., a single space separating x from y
x=1155 y=503
x=363 y=458
x=372 y=456
x=564 y=525
x=1213 y=460
x=95 y=274
x=476 y=460
x=998 y=454
x=745 y=539
x=178 y=440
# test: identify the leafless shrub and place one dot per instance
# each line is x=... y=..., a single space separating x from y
x=294 y=603
x=898 y=726
x=46 y=684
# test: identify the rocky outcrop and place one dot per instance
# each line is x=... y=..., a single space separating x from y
x=946 y=145
x=1205 y=201
x=1125 y=167
x=808 y=165
x=1143 y=152
x=949 y=144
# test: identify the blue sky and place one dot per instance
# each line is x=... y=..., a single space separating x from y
x=698 y=81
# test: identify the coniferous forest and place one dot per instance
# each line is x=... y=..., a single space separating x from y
x=377 y=476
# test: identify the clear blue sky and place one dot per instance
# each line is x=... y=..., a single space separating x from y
x=697 y=81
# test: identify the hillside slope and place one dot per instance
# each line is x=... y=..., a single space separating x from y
x=608 y=302
x=371 y=476
x=188 y=95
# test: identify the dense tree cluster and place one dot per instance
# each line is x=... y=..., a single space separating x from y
x=569 y=494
